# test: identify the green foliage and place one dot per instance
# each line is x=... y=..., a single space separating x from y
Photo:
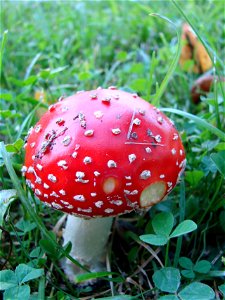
x=15 y=147
x=192 y=270
x=14 y=284
x=95 y=275
x=162 y=225
x=218 y=159
x=6 y=198
x=197 y=290
x=169 y=280
x=59 y=48
x=222 y=289
x=48 y=247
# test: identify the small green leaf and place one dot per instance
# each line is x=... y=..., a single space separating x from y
x=7 y=97
x=58 y=70
x=186 y=263
x=44 y=73
x=139 y=84
x=60 y=295
x=219 y=161
x=15 y=81
x=220 y=147
x=21 y=292
x=222 y=289
x=10 y=148
x=9 y=114
x=122 y=55
x=6 y=197
x=30 y=80
x=25 y=226
x=48 y=246
x=15 y=147
x=154 y=239
x=67 y=248
x=202 y=266
x=137 y=68
x=19 y=144
x=208 y=165
x=194 y=177
x=26 y=273
x=84 y=76
x=167 y=279
x=188 y=274
x=163 y=223
x=197 y=290
x=184 y=228
x=36 y=252
x=7 y=279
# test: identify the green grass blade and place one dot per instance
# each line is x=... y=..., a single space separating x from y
x=200 y=122
x=212 y=200
x=181 y=219
x=95 y=275
x=208 y=49
x=4 y=39
x=172 y=66
x=111 y=71
x=41 y=288
x=27 y=119
x=31 y=65
x=151 y=73
x=216 y=273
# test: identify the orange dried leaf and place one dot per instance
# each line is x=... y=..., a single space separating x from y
x=194 y=51
x=203 y=58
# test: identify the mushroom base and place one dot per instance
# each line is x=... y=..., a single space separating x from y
x=89 y=238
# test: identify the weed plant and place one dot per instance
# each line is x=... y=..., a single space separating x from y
x=48 y=49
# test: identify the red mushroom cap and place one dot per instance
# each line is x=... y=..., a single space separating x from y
x=203 y=85
x=102 y=153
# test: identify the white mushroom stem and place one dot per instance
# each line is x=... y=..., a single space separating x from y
x=89 y=239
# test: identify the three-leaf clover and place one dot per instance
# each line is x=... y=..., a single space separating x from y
x=162 y=225
x=191 y=269
x=14 y=284
x=168 y=280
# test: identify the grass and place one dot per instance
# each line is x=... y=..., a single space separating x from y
x=60 y=47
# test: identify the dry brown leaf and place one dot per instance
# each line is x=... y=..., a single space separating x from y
x=193 y=49
x=203 y=58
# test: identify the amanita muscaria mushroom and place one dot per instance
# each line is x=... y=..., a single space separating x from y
x=99 y=154
x=203 y=85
